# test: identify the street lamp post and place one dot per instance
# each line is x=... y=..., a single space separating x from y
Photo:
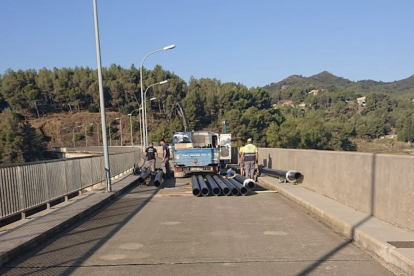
x=130 y=125
x=86 y=137
x=60 y=135
x=98 y=133
x=140 y=127
x=145 y=121
x=120 y=124
x=141 y=68
x=73 y=135
x=101 y=101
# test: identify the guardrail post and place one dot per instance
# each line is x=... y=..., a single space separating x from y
x=46 y=184
x=21 y=191
x=92 y=186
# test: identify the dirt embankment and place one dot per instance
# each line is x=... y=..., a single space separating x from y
x=61 y=129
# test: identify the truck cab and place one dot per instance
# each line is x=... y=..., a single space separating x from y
x=200 y=152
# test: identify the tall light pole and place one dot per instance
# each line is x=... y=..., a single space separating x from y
x=145 y=124
x=130 y=124
x=98 y=133
x=86 y=137
x=73 y=135
x=141 y=68
x=60 y=135
x=102 y=102
x=140 y=127
x=120 y=124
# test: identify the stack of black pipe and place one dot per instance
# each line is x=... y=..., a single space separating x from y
x=218 y=185
x=145 y=174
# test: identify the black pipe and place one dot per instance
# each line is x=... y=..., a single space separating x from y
x=234 y=167
x=214 y=187
x=195 y=185
x=233 y=189
x=158 y=178
x=203 y=185
x=243 y=190
x=247 y=182
x=226 y=190
x=291 y=176
x=144 y=175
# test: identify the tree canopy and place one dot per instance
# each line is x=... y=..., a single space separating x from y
x=296 y=113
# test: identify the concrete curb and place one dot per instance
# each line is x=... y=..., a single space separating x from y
x=372 y=245
x=8 y=255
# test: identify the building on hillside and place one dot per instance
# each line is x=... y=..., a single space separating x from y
x=288 y=102
x=314 y=92
x=361 y=101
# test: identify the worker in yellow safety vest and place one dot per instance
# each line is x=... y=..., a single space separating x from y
x=250 y=157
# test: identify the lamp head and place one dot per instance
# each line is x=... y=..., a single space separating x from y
x=169 y=47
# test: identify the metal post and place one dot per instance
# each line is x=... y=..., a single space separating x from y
x=145 y=111
x=73 y=137
x=98 y=134
x=141 y=82
x=120 y=123
x=140 y=128
x=102 y=102
x=130 y=125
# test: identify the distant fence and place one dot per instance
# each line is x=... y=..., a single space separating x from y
x=29 y=185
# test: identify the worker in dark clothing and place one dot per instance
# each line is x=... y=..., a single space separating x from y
x=150 y=153
x=165 y=158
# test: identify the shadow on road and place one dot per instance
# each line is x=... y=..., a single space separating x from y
x=351 y=236
x=67 y=251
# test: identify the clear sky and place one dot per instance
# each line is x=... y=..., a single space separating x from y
x=254 y=42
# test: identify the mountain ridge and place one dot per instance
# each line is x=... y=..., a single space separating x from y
x=328 y=81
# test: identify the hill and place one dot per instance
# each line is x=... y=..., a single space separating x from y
x=328 y=81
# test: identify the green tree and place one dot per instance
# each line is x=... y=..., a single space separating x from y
x=408 y=130
x=19 y=142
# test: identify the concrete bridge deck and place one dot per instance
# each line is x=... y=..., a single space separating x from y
x=168 y=231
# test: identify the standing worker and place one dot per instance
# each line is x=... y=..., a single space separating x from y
x=241 y=163
x=250 y=157
x=150 y=153
x=165 y=158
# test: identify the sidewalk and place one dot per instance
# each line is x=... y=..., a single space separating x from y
x=372 y=234
x=43 y=225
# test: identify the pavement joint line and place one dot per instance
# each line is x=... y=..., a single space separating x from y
x=80 y=209
x=194 y=263
x=355 y=233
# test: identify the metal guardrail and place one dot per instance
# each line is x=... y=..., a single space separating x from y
x=29 y=185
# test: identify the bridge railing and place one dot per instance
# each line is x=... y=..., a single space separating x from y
x=29 y=185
